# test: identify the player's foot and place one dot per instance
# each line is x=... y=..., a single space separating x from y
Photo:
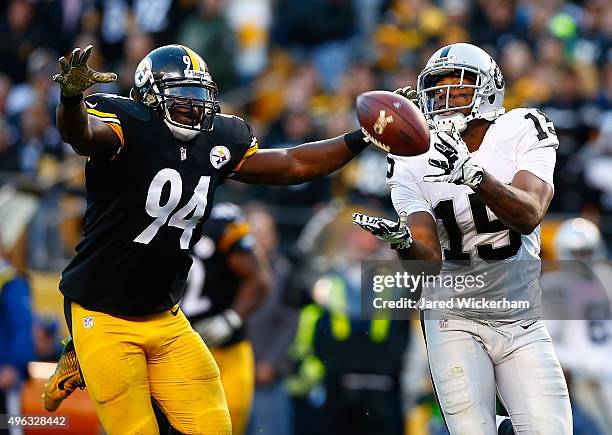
x=66 y=378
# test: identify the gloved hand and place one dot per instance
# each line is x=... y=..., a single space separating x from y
x=218 y=329
x=458 y=167
x=408 y=93
x=76 y=76
x=396 y=234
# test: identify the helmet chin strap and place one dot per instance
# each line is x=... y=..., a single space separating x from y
x=446 y=123
x=180 y=133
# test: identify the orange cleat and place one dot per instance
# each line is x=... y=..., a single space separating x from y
x=66 y=378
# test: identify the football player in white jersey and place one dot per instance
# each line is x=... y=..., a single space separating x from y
x=578 y=305
x=473 y=204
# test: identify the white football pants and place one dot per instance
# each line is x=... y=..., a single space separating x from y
x=469 y=360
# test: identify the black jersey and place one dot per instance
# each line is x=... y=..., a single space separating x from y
x=212 y=286
x=145 y=207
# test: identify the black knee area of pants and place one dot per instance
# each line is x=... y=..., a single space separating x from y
x=3 y=409
x=506 y=428
x=165 y=428
x=68 y=314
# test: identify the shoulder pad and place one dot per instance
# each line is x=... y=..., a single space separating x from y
x=526 y=128
x=119 y=105
x=540 y=126
x=408 y=170
x=232 y=129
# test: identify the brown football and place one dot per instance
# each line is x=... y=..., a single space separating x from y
x=393 y=123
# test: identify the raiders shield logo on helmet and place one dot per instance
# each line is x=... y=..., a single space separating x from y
x=498 y=78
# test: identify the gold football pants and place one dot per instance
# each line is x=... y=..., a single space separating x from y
x=125 y=361
x=237 y=366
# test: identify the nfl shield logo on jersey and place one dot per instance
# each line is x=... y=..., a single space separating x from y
x=219 y=156
x=88 y=322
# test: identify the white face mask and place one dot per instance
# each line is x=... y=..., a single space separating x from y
x=180 y=133
x=445 y=123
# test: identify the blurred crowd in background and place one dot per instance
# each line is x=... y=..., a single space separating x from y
x=292 y=69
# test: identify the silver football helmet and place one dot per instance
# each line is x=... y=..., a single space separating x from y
x=579 y=238
x=463 y=60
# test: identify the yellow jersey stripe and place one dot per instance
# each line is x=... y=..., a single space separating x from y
x=113 y=120
x=195 y=62
x=249 y=152
x=102 y=114
x=118 y=131
x=234 y=233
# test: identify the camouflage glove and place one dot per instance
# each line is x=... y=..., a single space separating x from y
x=76 y=75
x=409 y=93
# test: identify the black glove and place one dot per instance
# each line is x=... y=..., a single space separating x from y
x=457 y=166
x=409 y=93
x=396 y=234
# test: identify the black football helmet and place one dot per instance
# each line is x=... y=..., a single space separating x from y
x=172 y=79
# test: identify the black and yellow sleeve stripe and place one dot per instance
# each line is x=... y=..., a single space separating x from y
x=112 y=121
x=253 y=148
x=233 y=233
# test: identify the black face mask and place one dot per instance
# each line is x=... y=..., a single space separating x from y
x=200 y=102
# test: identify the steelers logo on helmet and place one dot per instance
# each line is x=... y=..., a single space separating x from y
x=219 y=156
x=143 y=72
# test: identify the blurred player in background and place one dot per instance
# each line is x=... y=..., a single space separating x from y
x=271 y=330
x=227 y=281
x=473 y=205
x=154 y=162
x=577 y=309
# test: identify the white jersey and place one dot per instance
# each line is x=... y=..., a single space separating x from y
x=507 y=262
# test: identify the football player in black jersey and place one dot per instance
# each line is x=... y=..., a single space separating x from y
x=227 y=281
x=154 y=162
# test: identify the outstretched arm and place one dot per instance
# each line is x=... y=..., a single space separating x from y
x=426 y=245
x=87 y=135
x=413 y=237
x=301 y=163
